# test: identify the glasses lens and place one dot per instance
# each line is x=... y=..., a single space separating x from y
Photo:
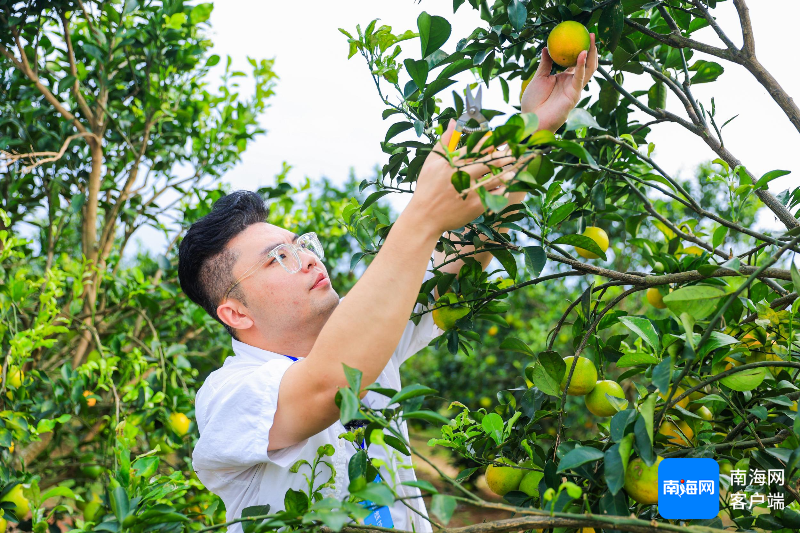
x=310 y=242
x=287 y=257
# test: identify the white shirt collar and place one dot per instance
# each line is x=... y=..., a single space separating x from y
x=246 y=351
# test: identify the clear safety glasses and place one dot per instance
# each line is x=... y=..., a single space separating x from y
x=288 y=255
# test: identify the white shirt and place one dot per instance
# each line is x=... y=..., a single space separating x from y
x=235 y=408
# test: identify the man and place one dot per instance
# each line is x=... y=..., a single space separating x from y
x=272 y=404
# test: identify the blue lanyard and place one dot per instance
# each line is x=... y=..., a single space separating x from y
x=290 y=357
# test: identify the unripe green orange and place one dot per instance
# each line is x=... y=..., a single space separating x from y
x=641 y=481
x=584 y=378
x=599 y=236
x=597 y=402
x=503 y=479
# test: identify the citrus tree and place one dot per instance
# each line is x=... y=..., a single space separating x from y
x=707 y=367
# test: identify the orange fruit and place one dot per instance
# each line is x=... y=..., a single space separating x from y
x=641 y=481
x=504 y=479
x=179 y=423
x=599 y=236
x=596 y=401
x=680 y=390
x=566 y=41
x=584 y=378
x=671 y=431
x=89 y=401
x=655 y=299
x=446 y=317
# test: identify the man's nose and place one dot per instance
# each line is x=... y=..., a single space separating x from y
x=308 y=259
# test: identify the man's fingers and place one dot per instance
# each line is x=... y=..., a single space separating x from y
x=444 y=140
x=545 y=65
x=480 y=167
x=580 y=72
x=592 y=60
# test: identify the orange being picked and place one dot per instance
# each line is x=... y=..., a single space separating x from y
x=524 y=86
x=655 y=299
x=596 y=401
x=583 y=379
x=599 y=236
x=446 y=317
x=641 y=481
x=566 y=41
x=504 y=479
x=671 y=431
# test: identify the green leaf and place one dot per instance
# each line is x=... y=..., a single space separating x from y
x=411 y=391
x=662 y=375
x=580 y=118
x=377 y=493
x=396 y=129
x=613 y=471
x=372 y=198
x=355 y=259
x=769 y=176
x=200 y=13
x=397 y=444
x=428 y=416
x=546 y=373
x=535 y=259
x=644 y=328
x=120 y=504
x=638 y=358
x=610 y=26
x=348 y=410
x=353 y=376
x=657 y=96
x=295 y=502
x=175 y=21
x=581 y=241
x=493 y=426
x=513 y=344
x=696 y=300
x=57 y=491
x=418 y=70
x=433 y=32
x=795 y=277
x=506 y=259
x=719 y=236
x=647 y=409
x=357 y=470
x=578 y=457
x=437 y=86
x=443 y=506
x=560 y=213
x=707 y=71
x=517 y=14
x=422 y=485
x=577 y=150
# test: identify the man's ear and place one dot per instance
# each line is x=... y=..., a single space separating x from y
x=234 y=314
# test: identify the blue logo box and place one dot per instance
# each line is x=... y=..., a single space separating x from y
x=688 y=488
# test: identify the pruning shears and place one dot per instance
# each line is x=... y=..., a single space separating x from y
x=473 y=112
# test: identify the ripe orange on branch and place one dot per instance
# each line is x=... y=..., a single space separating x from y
x=566 y=41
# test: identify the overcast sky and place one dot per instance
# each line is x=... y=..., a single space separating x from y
x=326 y=116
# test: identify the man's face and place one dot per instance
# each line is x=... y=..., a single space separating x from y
x=277 y=301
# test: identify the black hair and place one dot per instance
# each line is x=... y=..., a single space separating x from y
x=204 y=261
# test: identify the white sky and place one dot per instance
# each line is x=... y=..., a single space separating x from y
x=326 y=116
